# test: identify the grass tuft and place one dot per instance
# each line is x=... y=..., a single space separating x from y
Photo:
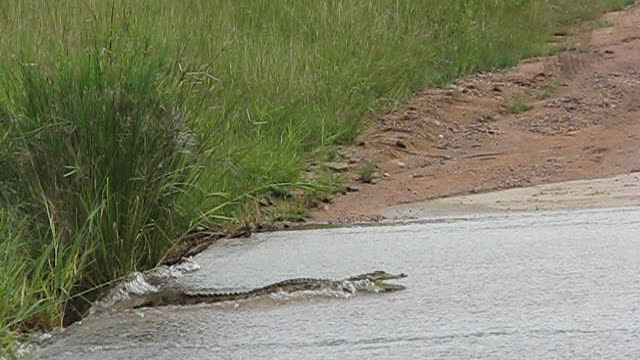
x=367 y=173
x=518 y=105
x=547 y=91
x=98 y=149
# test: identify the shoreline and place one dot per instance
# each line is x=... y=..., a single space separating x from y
x=617 y=191
x=572 y=116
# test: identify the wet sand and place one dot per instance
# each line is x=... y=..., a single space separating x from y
x=618 y=191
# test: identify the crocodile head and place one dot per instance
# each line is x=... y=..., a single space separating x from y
x=378 y=278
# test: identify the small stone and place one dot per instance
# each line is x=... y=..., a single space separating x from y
x=337 y=166
x=353 y=188
x=386 y=175
x=401 y=144
x=410 y=114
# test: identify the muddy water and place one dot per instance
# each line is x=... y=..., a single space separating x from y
x=553 y=285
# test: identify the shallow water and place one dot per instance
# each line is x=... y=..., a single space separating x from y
x=553 y=285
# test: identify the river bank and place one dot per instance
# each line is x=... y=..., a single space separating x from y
x=617 y=191
x=571 y=116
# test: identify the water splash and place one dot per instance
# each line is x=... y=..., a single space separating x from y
x=305 y=294
x=346 y=289
x=135 y=285
x=366 y=286
x=141 y=283
x=29 y=345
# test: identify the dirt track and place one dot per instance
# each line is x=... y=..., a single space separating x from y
x=584 y=124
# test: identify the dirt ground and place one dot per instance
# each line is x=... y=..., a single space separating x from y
x=478 y=136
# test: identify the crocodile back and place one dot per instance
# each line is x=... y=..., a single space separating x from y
x=300 y=281
x=179 y=297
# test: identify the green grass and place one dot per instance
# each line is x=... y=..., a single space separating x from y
x=367 y=173
x=546 y=91
x=125 y=124
x=517 y=105
x=600 y=24
x=97 y=151
x=37 y=282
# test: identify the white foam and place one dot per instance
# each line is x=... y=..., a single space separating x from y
x=135 y=285
x=139 y=284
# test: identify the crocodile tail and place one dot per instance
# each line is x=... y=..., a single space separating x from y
x=200 y=298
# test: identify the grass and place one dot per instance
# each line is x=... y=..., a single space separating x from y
x=367 y=173
x=600 y=24
x=286 y=211
x=547 y=91
x=517 y=105
x=129 y=123
x=97 y=150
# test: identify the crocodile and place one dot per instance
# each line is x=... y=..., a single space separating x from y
x=369 y=282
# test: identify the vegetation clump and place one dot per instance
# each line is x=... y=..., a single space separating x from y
x=547 y=90
x=518 y=105
x=367 y=173
x=96 y=154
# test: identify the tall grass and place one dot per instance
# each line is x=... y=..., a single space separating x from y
x=101 y=146
x=123 y=124
x=38 y=275
x=98 y=148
